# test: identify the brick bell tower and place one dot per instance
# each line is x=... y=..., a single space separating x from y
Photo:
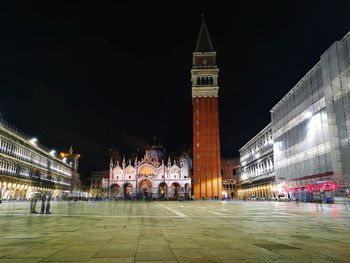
x=206 y=134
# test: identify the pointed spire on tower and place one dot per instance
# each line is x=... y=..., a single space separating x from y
x=135 y=163
x=204 y=43
x=71 y=149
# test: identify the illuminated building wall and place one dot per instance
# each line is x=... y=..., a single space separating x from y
x=229 y=176
x=311 y=124
x=26 y=166
x=257 y=166
x=96 y=189
x=149 y=177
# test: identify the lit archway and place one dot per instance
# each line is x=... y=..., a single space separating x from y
x=127 y=190
x=187 y=190
x=115 y=190
x=162 y=190
x=175 y=190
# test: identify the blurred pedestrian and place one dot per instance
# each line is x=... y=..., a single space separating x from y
x=47 y=211
x=33 y=200
x=43 y=200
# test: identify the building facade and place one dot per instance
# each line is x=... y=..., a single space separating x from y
x=257 y=166
x=206 y=141
x=26 y=167
x=96 y=189
x=229 y=176
x=149 y=178
x=311 y=128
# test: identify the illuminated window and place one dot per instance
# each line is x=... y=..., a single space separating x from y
x=197 y=122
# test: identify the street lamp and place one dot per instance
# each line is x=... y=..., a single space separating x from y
x=136 y=166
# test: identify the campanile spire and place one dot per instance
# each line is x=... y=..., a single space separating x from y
x=204 y=43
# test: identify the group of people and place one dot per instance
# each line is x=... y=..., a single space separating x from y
x=45 y=198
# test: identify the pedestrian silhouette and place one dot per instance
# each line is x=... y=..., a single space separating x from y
x=33 y=201
x=43 y=199
x=48 y=203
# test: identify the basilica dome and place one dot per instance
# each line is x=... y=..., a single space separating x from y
x=155 y=154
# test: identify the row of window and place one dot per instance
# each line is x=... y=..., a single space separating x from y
x=262 y=142
x=222 y=171
x=168 y=177
x=205 y=81
x=22 y=153
x=264 y=166
x=12 y=169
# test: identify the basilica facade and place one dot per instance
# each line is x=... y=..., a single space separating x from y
x=149 y=178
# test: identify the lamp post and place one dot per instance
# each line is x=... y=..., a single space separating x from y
x=136 y=166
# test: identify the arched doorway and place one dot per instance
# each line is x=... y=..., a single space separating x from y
x=162 y=190
x=145 y=189
x=115 y=190
x=175 y=190
x=187 y=191
x=127 y=190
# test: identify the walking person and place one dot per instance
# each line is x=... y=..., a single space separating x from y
x=33 y=200
x=43 y=200
x=47 y=211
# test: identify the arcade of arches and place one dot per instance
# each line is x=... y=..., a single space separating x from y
x=147 y=189
x=258 y=191
x=21 y=191
x=148 y=178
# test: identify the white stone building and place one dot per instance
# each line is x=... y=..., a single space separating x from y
x=149 y=178
x=257 y=166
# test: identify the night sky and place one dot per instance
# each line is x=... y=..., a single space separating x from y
x=100 y=75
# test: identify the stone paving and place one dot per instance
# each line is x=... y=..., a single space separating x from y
x=197 y=231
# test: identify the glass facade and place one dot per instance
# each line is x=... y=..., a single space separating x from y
x=311 y=123
x=300 y=129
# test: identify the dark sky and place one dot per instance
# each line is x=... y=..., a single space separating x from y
x=105 y=74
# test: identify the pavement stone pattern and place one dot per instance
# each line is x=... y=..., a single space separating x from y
x=195 y=231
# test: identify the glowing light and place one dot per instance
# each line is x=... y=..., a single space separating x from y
x=257 y=155
x=64 y=159
x=63 y=154
x=308 y=115
x=33 y=140
x=53 y=152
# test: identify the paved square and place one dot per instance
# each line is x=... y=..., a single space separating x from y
x=198 y=231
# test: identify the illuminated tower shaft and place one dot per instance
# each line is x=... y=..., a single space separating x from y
x=206 y=135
